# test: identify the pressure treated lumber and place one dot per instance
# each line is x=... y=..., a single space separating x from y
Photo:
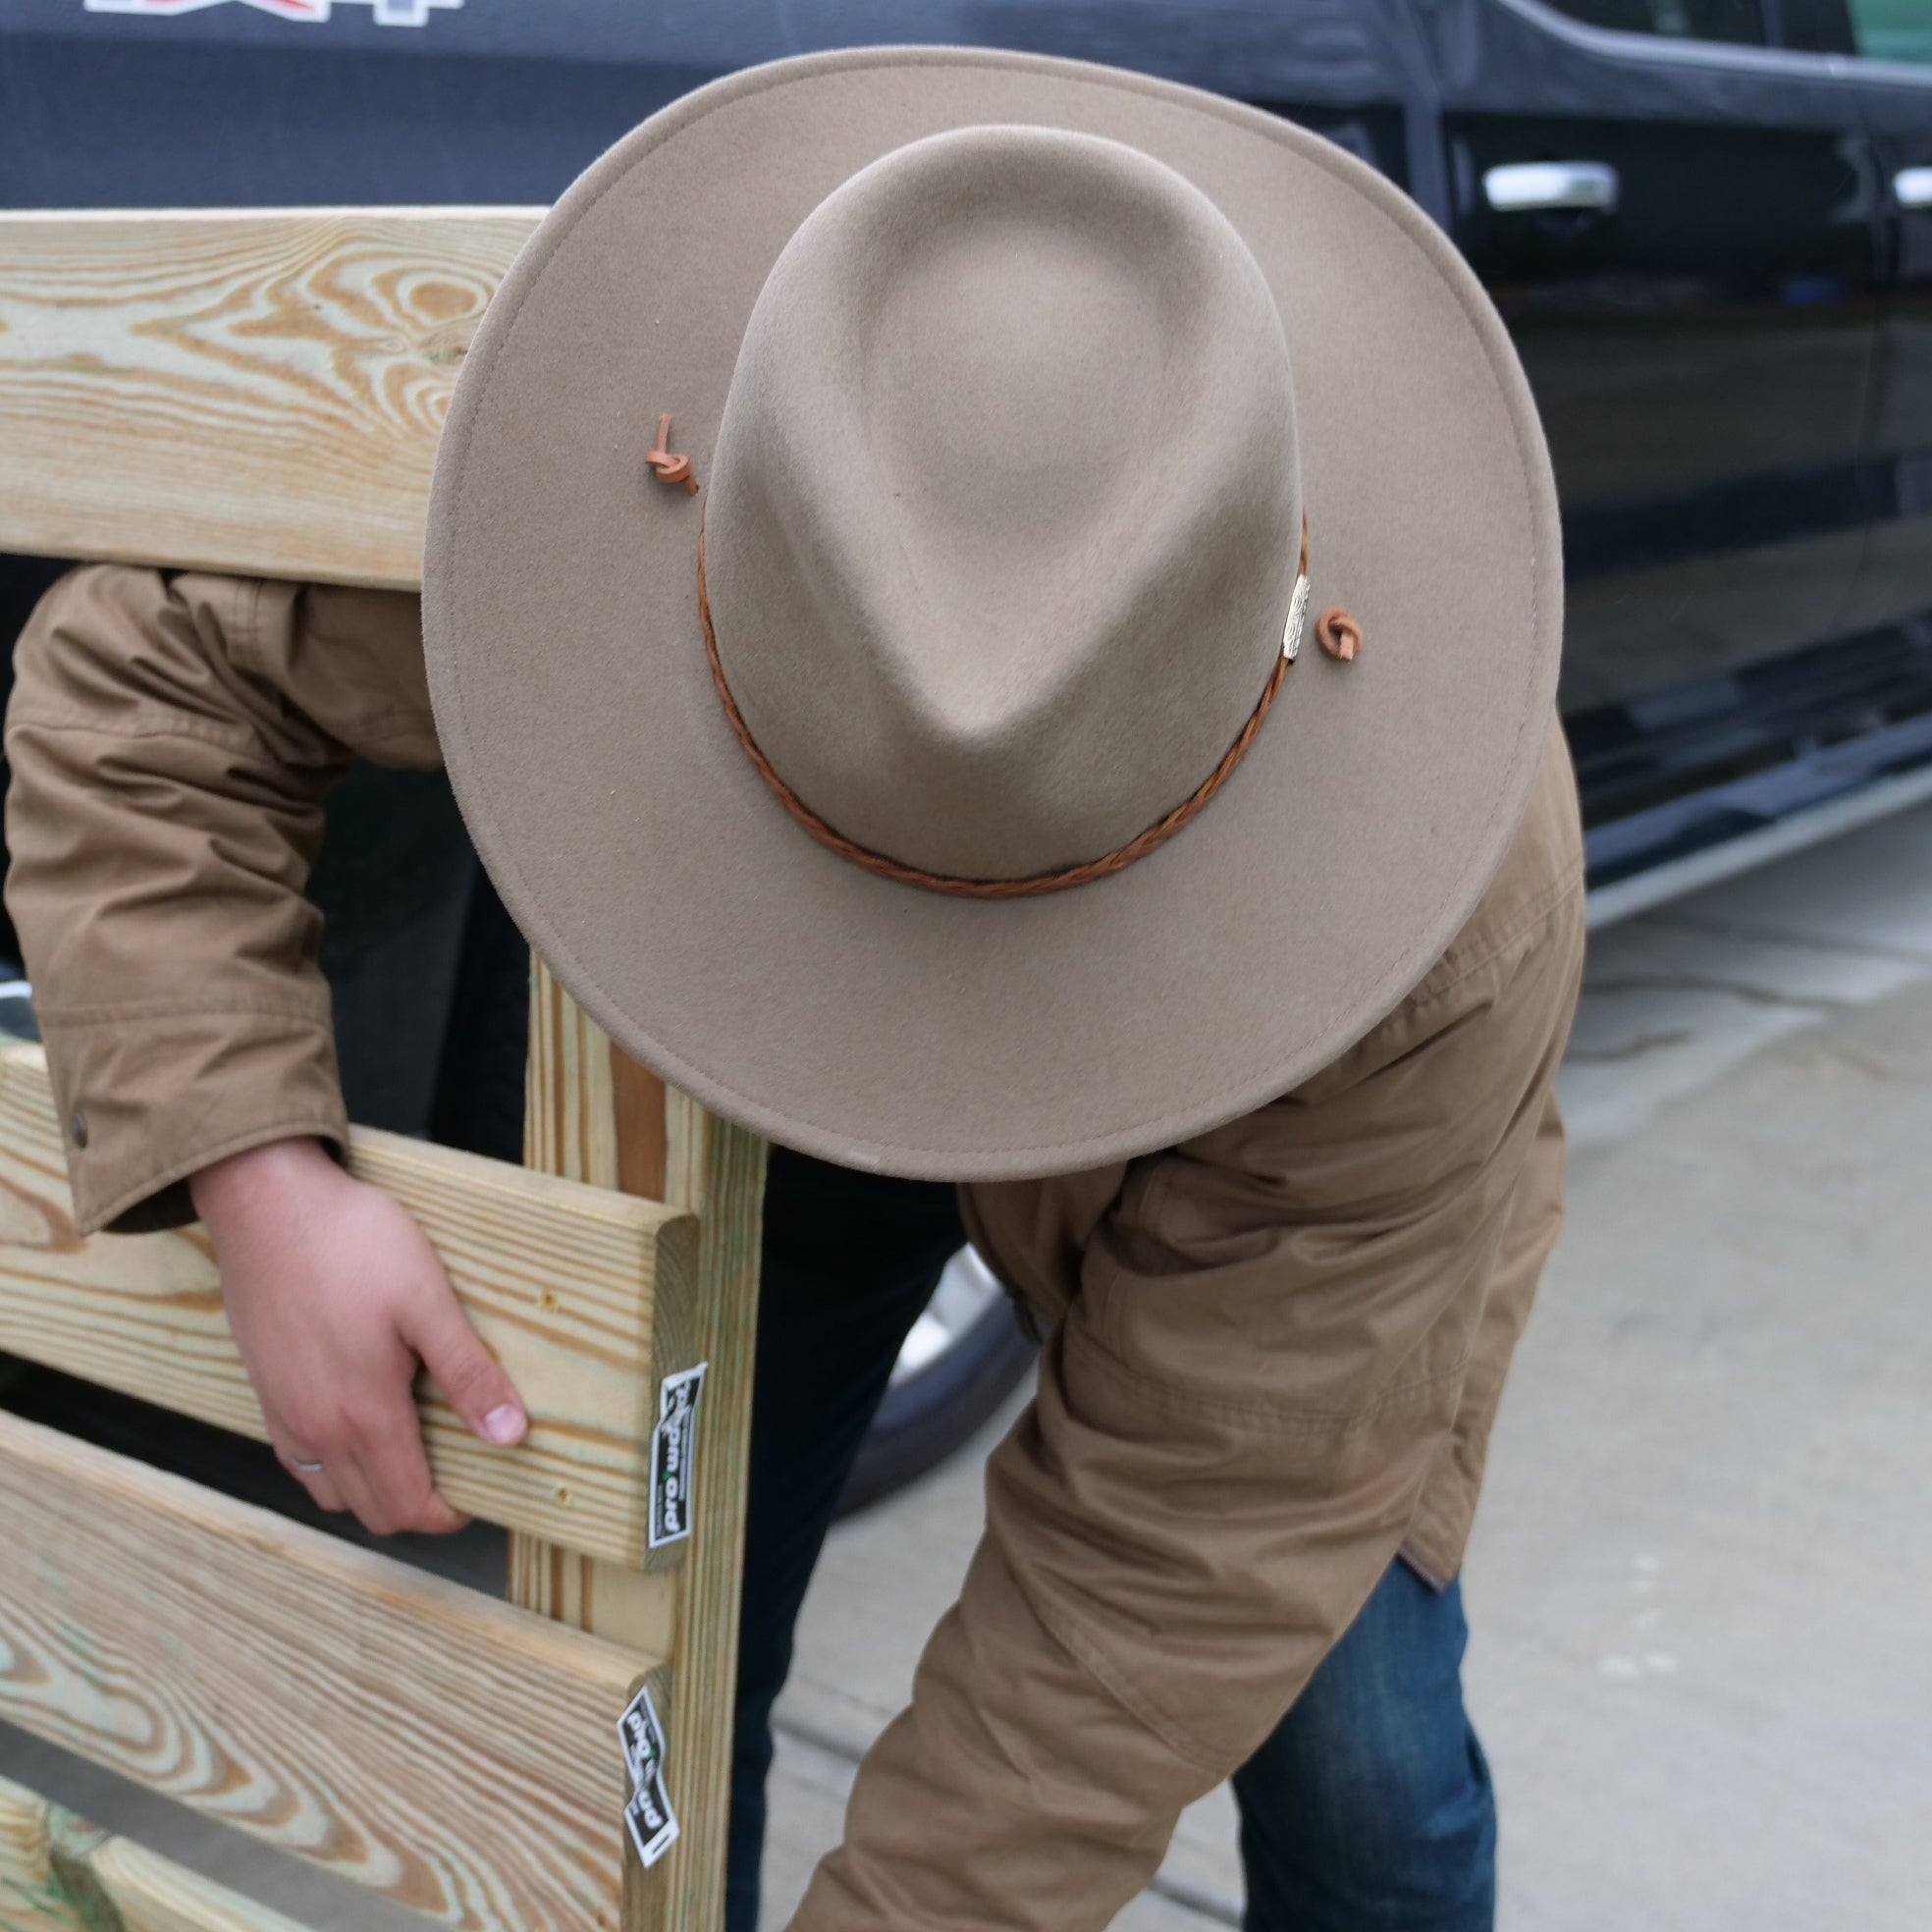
x=594 y=1114
x=58 y=1873
x=250 y=391
x=561 y=1282
x=570 y=1129
x=439 y=1746
x=154 y=1893
x=728 y=1168
x=32 y=1897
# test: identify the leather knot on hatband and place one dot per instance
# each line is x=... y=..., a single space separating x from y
x=667 y=465
x=1122 y=856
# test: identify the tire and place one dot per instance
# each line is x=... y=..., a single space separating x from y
x=961 y=1364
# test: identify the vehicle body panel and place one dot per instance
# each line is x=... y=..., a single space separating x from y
x=1734 y=366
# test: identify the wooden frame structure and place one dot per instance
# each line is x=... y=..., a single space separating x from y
x=262 y=393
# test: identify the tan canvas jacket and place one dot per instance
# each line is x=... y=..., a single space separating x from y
x=1275 y=1351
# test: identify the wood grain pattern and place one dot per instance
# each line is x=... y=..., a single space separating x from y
x=439 y=1746
x=570 y=1129
x=728 y=1194
x=561 y=1282
x=576 y=1118
x=154 y=1893
x=260 y=392
x=59 y=1873
x=641 y=1129
x=637 y=1608
x=32 y=1897
x=570 y=1096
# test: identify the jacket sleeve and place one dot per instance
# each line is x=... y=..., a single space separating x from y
x=1238 y=1413
x=171 y=739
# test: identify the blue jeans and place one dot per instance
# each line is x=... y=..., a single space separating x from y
x=1367 y=1810
x=1370 y=1810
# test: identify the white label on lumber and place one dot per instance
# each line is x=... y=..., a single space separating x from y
x=672 y=1449
x=653 y=1824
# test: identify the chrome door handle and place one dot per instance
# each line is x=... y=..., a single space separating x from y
x=1912 y=187
x=1529 y=186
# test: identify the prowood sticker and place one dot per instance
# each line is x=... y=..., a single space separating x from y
x=670 y=1455
x=653 y=1824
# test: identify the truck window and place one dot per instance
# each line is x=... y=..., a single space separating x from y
x=1892 y=30
x=1741 y=22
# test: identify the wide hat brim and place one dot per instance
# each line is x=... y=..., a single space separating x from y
x=874 y=1023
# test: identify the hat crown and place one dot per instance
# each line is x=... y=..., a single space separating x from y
x=1004 y=513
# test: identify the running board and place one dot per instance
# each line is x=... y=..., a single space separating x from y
x=1776 y=838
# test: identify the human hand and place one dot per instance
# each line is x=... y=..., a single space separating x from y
x=334 y=1298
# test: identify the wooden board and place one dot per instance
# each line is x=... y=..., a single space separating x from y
x=443 y=1748
x=154 y=1893
x=32 y=1897
x=58 y=1873
x=563 y=1283
x=593 y=1113
x=728 y=1168
x=260 y=392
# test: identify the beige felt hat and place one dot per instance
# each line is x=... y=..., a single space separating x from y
x=968 y=819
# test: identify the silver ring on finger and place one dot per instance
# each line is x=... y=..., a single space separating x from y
x=302 y=1468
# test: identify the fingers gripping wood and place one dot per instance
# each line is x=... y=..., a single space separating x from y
x=561 y=1282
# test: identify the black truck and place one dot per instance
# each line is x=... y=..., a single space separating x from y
x=1708 y=224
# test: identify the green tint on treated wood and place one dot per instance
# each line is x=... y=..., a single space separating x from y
x=561 y=1280
x=32 y=1897
x=438 y=1746
x=58 y=1873
x=252 y=391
